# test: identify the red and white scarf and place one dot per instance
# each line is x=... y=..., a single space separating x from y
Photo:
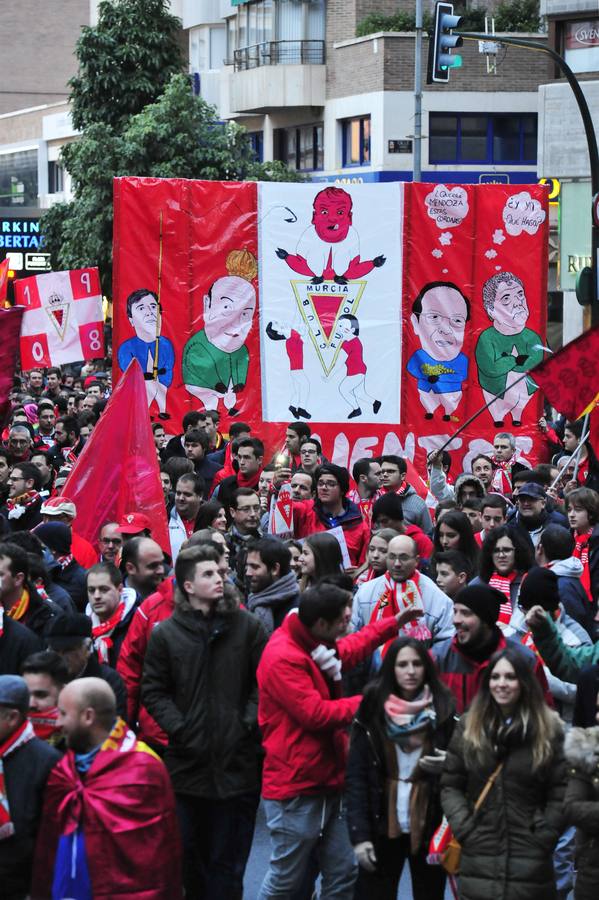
x=367 y=575
x=581 y=552
x=45 y=724
x=102 y=631
x=64 y=561
x=502 y=476
x=503 y=583
x=396 y=597
x=21 y=736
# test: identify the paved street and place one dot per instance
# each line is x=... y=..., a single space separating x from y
x=258 y=862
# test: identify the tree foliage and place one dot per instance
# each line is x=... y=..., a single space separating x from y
x=125 y=61
x=138 y=117
x=473 y=19
x=518 y=15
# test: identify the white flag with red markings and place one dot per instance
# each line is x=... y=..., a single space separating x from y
x=63 y=320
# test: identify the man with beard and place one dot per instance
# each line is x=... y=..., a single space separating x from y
x=109 y=810
x=461 y=659
x=41 y=459
x=329 y=249
x=68 y=444
x=25 y=763
x=274 y=589
x=439 y=316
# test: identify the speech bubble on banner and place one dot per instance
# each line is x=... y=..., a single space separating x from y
x=447 y=206
x=523 y=213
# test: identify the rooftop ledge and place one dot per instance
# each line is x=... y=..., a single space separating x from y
x=411 y=34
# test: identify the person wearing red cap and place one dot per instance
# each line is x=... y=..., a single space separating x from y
x=135 y=525
x=61 y=509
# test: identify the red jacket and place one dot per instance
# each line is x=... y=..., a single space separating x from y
x=463 y=675
x=154 y=609
x=422 y=541
x=304 y=726
x=306 y=521
x=83 y=551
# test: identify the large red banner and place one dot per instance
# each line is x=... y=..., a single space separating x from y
x=385 y=329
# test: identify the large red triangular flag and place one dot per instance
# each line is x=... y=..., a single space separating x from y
x=568 y=378
x=10 y=327
x=117 y=472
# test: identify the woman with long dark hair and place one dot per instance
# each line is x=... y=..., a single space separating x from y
x=320 y=556
x=506 y=556
x=510 y=741
x=397 y=752
x=454 y=532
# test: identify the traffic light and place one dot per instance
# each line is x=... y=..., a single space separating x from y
x=441 y=43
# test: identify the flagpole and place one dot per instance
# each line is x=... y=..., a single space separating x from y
x=586 y=430
x=159 y=311
x=479 y=411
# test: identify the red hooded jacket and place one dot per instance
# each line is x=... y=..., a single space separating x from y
x=154 y=609
x=306 y=521
x=303 y=719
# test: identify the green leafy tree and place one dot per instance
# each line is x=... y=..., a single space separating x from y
x=125 y=61
x=518 y=15
x=169 y=135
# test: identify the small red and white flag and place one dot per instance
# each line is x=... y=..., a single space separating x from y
x=63 y=319
x=281 y=512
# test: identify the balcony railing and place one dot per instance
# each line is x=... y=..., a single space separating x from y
x=279 y=53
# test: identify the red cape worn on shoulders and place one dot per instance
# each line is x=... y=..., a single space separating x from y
x=126 y=807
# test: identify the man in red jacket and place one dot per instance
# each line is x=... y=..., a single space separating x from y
x=462 y=659
x=304 y=721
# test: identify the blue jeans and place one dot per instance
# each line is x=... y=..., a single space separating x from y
x=563 y=863
x=217 y=838
x=299 y=826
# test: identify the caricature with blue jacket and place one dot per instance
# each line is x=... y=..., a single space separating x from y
x=143 y=312
x=439 y=316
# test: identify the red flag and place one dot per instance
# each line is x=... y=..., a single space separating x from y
x=3 y=279
x=568 y=378
x=117 y=472
x=10 y=327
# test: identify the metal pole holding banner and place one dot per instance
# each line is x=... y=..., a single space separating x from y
x=417 y=164
x=159 y=311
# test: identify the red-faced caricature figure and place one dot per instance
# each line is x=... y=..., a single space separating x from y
x=329 y=249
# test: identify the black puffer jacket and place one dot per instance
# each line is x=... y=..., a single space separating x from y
x=199 y=683
x=507 y=845
x=581 y=807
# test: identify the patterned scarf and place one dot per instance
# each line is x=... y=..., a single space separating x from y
x=503 y=583
x=367 y=575
x=406 y=721
x=64 y=561
x=19 y=737
x=45 y=724
x=19 y=609
x=581 y=552
x=102 y=632
x=396 y=597
x=502 y=476
x=18 y=506
x=121 y=739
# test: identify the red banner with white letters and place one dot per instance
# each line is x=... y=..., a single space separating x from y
x=383 y=315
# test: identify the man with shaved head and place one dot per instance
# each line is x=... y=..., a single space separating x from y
x=117 y=793
x=400 y=586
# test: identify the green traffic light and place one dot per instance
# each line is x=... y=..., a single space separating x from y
x=456 y=61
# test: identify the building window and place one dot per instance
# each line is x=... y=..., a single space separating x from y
x=18 y=178
x=467 y=138
x=581 y=45
x=55 y=178
x=356 y=142
x=276 y=32
x=301 y=148
x=256 y=139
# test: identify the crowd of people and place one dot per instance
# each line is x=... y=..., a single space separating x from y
x=402 y=670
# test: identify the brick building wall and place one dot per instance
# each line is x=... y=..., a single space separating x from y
x=38 y=43
x=386 y=63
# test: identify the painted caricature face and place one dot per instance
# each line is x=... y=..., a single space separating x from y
x=440 y=326
x=510 y=310
x=144 y=315
x=332 y=217
x=228 y=312
x=345 y=329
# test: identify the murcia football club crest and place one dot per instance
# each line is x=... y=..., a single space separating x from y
x=58 y=313
x=321 y=306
